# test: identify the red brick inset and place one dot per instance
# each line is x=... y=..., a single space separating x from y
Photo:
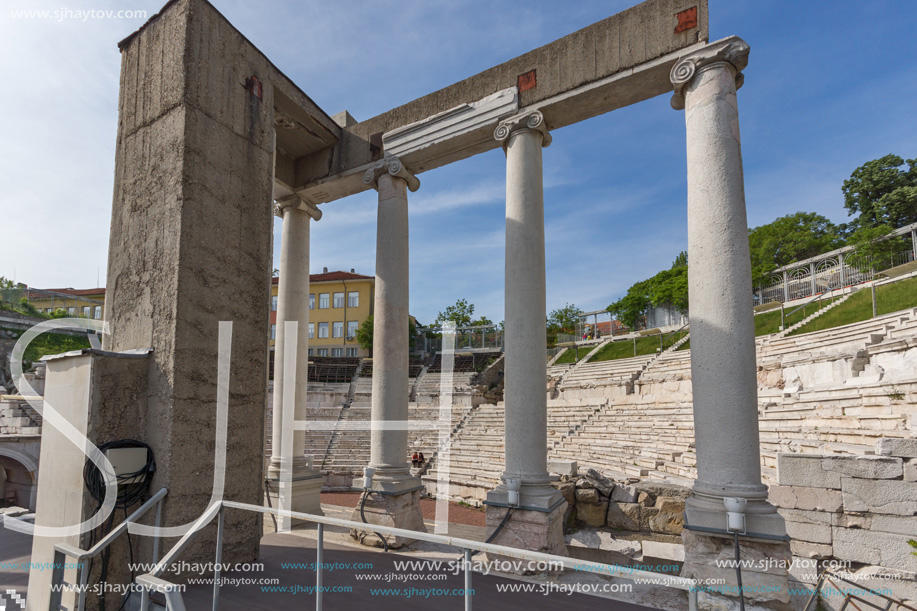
x=687 y=20
x=527 y=81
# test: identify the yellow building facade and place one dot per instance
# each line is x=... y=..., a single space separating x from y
x=77 y=303
x=339 y=302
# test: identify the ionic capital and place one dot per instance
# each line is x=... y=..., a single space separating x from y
x=394 y=167
x=525 y=121
x=297 y=203
x=732 y=50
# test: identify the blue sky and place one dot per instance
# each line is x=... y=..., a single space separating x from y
x=829 y=86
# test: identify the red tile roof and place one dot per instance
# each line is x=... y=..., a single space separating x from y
x=331 y=277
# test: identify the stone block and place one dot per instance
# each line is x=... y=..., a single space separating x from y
x=568 y=489
x=903 y=448
x=805 y=498
x=880 y=496
x=910 y=470
x=812 y=533
x=807 y=517
x=872 y=547
x=592 y=514
x=624 y=516
x=562 y=467
x=805 y=470
x=805 y=549
x=599 y=482
x=646 y=499
x=624 y=494
x=865 y=467
x=664 y=551
x=900 y=525
x=587 y=495
x=657 y=520
x=600 y=539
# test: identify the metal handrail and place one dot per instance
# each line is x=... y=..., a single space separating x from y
x=62 y=551
x=848 y=598
x=152 y=582
x=678 y=330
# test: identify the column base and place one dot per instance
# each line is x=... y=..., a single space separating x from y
x=764 y=582
x=537 y=531
x=706 y=513
x=304 y=496
x=398 y=510
x=533 y=497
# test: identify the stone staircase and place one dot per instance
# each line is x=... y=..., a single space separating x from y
x=809 y=318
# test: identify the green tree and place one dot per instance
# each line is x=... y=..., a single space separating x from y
x=460 y=314
x=667 y=288
x=565 y=319
x=364 y=334
x=788 y=239
x=882 y=192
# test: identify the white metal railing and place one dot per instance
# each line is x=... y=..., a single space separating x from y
x=62 y=551
x=153 y=581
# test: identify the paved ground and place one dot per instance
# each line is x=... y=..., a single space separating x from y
x=382 y=588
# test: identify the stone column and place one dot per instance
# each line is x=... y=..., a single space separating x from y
x=293 y=306
x=395 y=500
x=723 y=365
x=537 y=524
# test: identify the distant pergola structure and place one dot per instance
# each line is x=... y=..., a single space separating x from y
x=213 y=139
x=829 y=271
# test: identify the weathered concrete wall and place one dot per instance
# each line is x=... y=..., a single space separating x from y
x=190 y=246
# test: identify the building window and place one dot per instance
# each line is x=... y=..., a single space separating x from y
x=352 y=328
x=273 y=331
x=71 y=312
x=322 y=330
x=273 y=303
x=311 y=330
x=323 y=301
x=98 y=313
x=86 y=311
x=337 y=329
x=337 y=352
x=351 y=352
x=353 y=299
x=322 y=352
x=311 y=351
x=312 y=301
x=339 y=300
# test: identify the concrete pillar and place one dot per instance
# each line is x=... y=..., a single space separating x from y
x=723 y=366
x=542 y=506
x=293 y=306
x=395 y=500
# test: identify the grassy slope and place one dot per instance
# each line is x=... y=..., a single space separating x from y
x=648 y=344
x=889 y=298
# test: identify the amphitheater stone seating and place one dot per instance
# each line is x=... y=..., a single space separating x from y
x=616 y=371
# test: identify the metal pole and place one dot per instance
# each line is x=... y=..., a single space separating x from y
x=873 y=287
x=219 y=558
x=156 y=523
x=319 y=558
x=84 y=579
x=782 y=321
x=467 y=580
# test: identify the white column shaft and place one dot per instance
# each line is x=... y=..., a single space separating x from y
x=526 y=401
x=388 y=451
x=292 y=305
x=723 y=366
